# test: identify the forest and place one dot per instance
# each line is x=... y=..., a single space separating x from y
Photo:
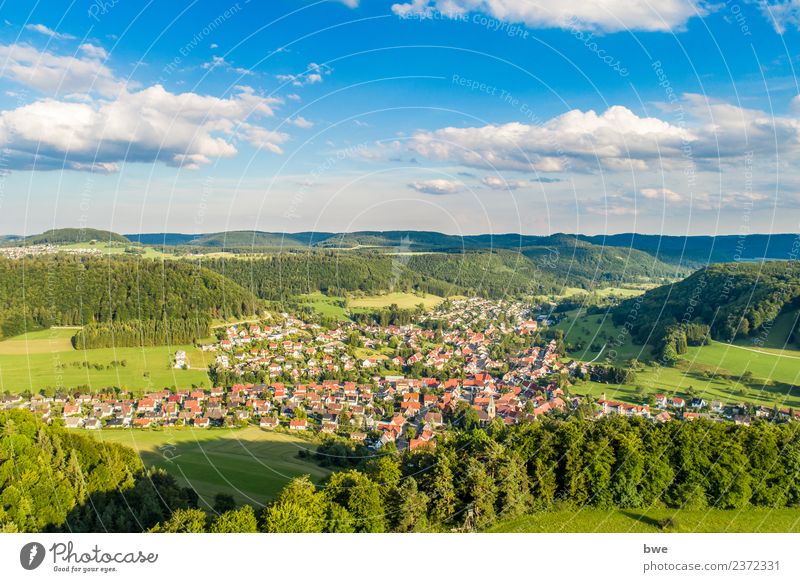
x=40 y=292
x=733 y=300
x=473 y=478
x=135 y=333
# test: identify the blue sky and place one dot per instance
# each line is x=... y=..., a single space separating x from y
x=461 y=116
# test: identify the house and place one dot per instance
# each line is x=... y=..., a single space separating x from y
x=697 y=403
x=202 y=422
x=92 y=424
x=268 y=422
x=74 y=422
x=298 y=424
x=678 y=402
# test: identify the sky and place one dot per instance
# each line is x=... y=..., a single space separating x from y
x=459 y=116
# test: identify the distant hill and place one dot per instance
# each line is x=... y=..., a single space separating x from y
x=74 y=235
x=704 y=249
x=688 y=250
x=735 y=300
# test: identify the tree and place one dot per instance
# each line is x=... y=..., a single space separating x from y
x=361 y=497
x=242 y=520
x=183 y=521
x=410 y=507
x=299 y=508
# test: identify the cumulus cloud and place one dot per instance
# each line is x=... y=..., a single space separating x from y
x=599 y=15
x=661 y=194
x=575 y=139
x=150 y=125
x=498 y=183
x=708 y=133
x=438 y=186
x=220 y=62
x=42 y=29
x=56 y=74
x=781 y=13
x=301 y=122
x=93 y=51
x=314 y=73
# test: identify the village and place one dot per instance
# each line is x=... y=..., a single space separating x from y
x=470 y=362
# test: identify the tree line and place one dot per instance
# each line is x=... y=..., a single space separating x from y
x=40 y=292
x=473 y=479
x=142 y=333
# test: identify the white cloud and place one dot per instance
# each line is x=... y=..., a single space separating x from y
x=301 y=122
x=94 y=51
x=314 y=73
x=55 y=74
x=437 y=187
x=42 y=29
x=498 y=183
x=220 y=62
x=661 y=194
x=781 y=13
x=574 y=140
x=708 y=133
x=599 y=15
x=150 y=125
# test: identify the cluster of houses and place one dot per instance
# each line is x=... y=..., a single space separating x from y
x=294 y=350
x=38 y=250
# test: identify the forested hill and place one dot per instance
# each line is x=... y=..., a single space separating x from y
x=55 y=480
x=76 y=290
x=73 y=235
x=734 y=300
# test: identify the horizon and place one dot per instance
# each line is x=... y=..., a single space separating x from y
x=404 y=230
x=452 y=116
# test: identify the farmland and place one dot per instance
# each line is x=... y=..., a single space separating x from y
x=402 y=300
x=46 y=359
x=250 y=463
x=655 y=520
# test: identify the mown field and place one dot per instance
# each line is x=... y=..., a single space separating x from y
x=402 y=300
x=717 y=371
x=46 y=359
x=251 y=464
x=656 y=520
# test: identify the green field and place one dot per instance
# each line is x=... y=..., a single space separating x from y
x=114 y=248
x=713 y=372
x=598 y=331
x=402 y=300
x=45 y=341
x=45 y=359
x=655 y=520
x=324 y=305
x=251 y=464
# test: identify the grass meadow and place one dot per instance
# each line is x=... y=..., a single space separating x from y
x=655 y=520
x=46 y=359
x=251 y=464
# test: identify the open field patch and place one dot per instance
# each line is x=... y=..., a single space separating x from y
x=251 y=464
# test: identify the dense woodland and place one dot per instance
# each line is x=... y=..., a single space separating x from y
x=39 y=292
x=733 y=300
x=136 y=333
x=53 y=480
x=475 y=478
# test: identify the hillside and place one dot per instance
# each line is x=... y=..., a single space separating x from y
x=735 y=300
x=74 y=235
x=703 y=249
x=72 y=290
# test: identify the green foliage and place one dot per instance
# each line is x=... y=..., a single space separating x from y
x=732 y=300
x=77 y=290
x=183 y=521
x=54 y=480
x=137 y=333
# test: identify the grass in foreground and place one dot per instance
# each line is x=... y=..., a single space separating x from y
x=251 y=464
x=656 y=520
